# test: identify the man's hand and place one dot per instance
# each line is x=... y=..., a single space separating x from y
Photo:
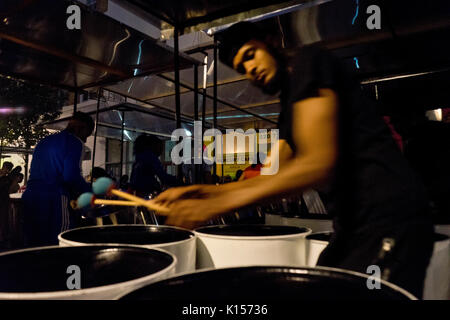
x=192 y=206
x=191 y=213
x=197 y=191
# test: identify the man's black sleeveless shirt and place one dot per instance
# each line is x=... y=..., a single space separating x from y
x=373 y=184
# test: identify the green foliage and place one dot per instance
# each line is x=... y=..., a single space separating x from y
x=41 y=103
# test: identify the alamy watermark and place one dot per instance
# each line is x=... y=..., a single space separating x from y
x=234 y=140
x=374 y=280
x=374 y=20
x=73 y=22
x=74 y=280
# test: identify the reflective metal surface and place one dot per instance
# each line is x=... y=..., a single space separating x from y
x=37 y=44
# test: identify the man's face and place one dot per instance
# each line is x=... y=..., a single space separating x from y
x=85 y=132
x=259 y=66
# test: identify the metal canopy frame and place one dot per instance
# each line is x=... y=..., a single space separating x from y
x=163 y=12
x=20 y=34
x=56 y=52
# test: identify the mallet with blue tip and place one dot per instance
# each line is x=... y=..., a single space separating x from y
x=106 y=186
x=88 y=199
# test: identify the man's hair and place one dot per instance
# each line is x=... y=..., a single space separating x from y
x=84 y=118
x=148 y=143
x=16 y=170
x=7 y=165
x=233 y=38
x=98 y=172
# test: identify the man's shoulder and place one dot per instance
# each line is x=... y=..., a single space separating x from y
x=61 y=139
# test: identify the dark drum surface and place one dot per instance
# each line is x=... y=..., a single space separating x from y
x=251 y=230
x=439 y=237
x=140 y=235
x=322 y=236
x=44 y=270
x=264 y=284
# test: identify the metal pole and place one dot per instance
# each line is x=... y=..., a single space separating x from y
x=121 y=145
x=75 y=101
x=215 y=101
x=196 y=166
x=99 y=94
x=177 y=89
x=205 y=71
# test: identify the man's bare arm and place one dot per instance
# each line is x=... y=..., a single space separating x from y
x=315 y=135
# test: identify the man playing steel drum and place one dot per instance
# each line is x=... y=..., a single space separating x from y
x=333 y=140
x=55 y=174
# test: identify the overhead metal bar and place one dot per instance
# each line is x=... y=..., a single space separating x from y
x=153 y=104
x=219 y=83
x=228 y=11
x=252 y=105
x=154 y=13
x=115 y=126
x=271 y=14
x=402 y=76
x=219 y=100
x=61 y=54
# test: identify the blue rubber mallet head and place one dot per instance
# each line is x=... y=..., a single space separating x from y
x=85 y=200
x=102 y=186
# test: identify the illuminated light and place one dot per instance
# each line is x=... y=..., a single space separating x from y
x=356 y=62
x=139 y=56
x=130 y=86
x=434 y=115
x=9 y=110
x=357 y=12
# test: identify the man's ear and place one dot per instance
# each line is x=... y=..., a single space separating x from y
x=275 y=41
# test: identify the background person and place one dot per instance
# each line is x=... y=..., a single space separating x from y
x=148 y=175
x=55 y=177
x=6 y=168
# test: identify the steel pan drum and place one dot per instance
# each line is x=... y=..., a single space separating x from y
x=437 y=280
x=250 y=245
x=105 y=272
x=178 y=241
x=268 y=284
x=315 y=244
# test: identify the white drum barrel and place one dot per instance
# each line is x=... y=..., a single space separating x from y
x=180 y=242
x=250 y=245
x=315 y=244
x=437 y=280
x=269 y=284
x=100 y=272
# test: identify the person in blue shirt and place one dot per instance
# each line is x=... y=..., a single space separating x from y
x=55 y=175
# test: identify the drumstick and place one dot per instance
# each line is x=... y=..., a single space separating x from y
x=106 y=186
x=88 y=199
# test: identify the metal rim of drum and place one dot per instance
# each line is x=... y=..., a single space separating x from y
x=310 y=236
x=301 y=270
x=65 y=294
x=302 y=232
x=72 y=242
